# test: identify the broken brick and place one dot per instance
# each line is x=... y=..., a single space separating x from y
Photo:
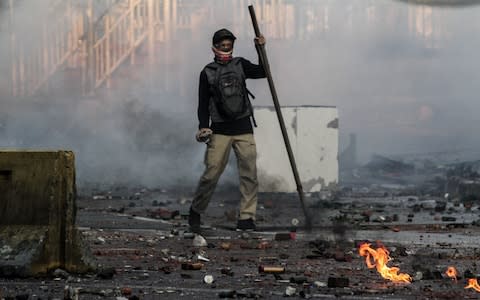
x=337 y=282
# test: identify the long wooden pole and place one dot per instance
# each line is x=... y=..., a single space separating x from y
x=266 y=66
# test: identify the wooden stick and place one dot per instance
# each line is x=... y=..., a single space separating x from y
x=266 y=66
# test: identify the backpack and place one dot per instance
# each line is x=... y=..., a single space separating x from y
x=230 y=93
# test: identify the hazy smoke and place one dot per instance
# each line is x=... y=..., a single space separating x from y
x=404 y=78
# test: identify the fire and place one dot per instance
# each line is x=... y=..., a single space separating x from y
x=379 y=259
x=452 y=273
x=473 y=284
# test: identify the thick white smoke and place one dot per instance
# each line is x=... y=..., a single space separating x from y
x=404 y=78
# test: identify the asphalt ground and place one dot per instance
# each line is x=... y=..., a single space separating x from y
x=140 y=251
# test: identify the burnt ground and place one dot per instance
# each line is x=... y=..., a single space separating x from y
x=140 y=239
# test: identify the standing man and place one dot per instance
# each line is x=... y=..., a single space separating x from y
x=225 y=117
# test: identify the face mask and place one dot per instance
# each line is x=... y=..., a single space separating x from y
x=222 y=56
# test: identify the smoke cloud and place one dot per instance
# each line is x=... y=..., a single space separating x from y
x=404 y=78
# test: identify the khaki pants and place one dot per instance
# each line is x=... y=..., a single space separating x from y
x=216 y=158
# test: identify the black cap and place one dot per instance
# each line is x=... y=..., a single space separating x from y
x=223 y=34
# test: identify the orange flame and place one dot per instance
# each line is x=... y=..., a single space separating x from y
x=379 y=259
x=473 y=284
x=452 y=273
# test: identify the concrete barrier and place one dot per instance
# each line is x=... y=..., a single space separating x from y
x=37 y=214
x=313 y=134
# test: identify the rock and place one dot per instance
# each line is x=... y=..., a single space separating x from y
x=271 y=269
x=100 y=241
x=226 y=246
x=264 y=245
x=342 y=257
x=290 y=291
x=60 y=273
x=208 y=279
x=337 y=282
x=227 y=271
x=126 y=291
x=106 y=273
x=400 y=251
x=106 y=293
x=191 y=266
x=320 y=284
x=298 y=279
x=245 y=235
x=418 y=276
x=199 y=241
x=282 y=236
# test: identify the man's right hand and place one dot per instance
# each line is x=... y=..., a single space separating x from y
x=203 y=135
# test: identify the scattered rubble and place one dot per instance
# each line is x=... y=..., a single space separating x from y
x=147 y=251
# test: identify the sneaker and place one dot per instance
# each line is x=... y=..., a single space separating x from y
x=194 y=221
x=247 y=225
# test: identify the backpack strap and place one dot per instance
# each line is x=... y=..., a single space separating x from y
x=238 y=61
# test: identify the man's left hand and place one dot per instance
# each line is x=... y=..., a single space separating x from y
x=260 y=40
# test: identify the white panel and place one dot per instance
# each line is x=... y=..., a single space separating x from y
x=317 y=147
x=313 y=133
x=274 y=171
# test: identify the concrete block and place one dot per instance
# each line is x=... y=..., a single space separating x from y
x=313 y=134
x=37 y=214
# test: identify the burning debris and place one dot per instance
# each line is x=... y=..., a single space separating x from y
x=378 y=259
x=452 y=273
x=473 y=284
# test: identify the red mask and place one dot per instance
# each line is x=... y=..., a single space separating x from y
x=222 y=56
